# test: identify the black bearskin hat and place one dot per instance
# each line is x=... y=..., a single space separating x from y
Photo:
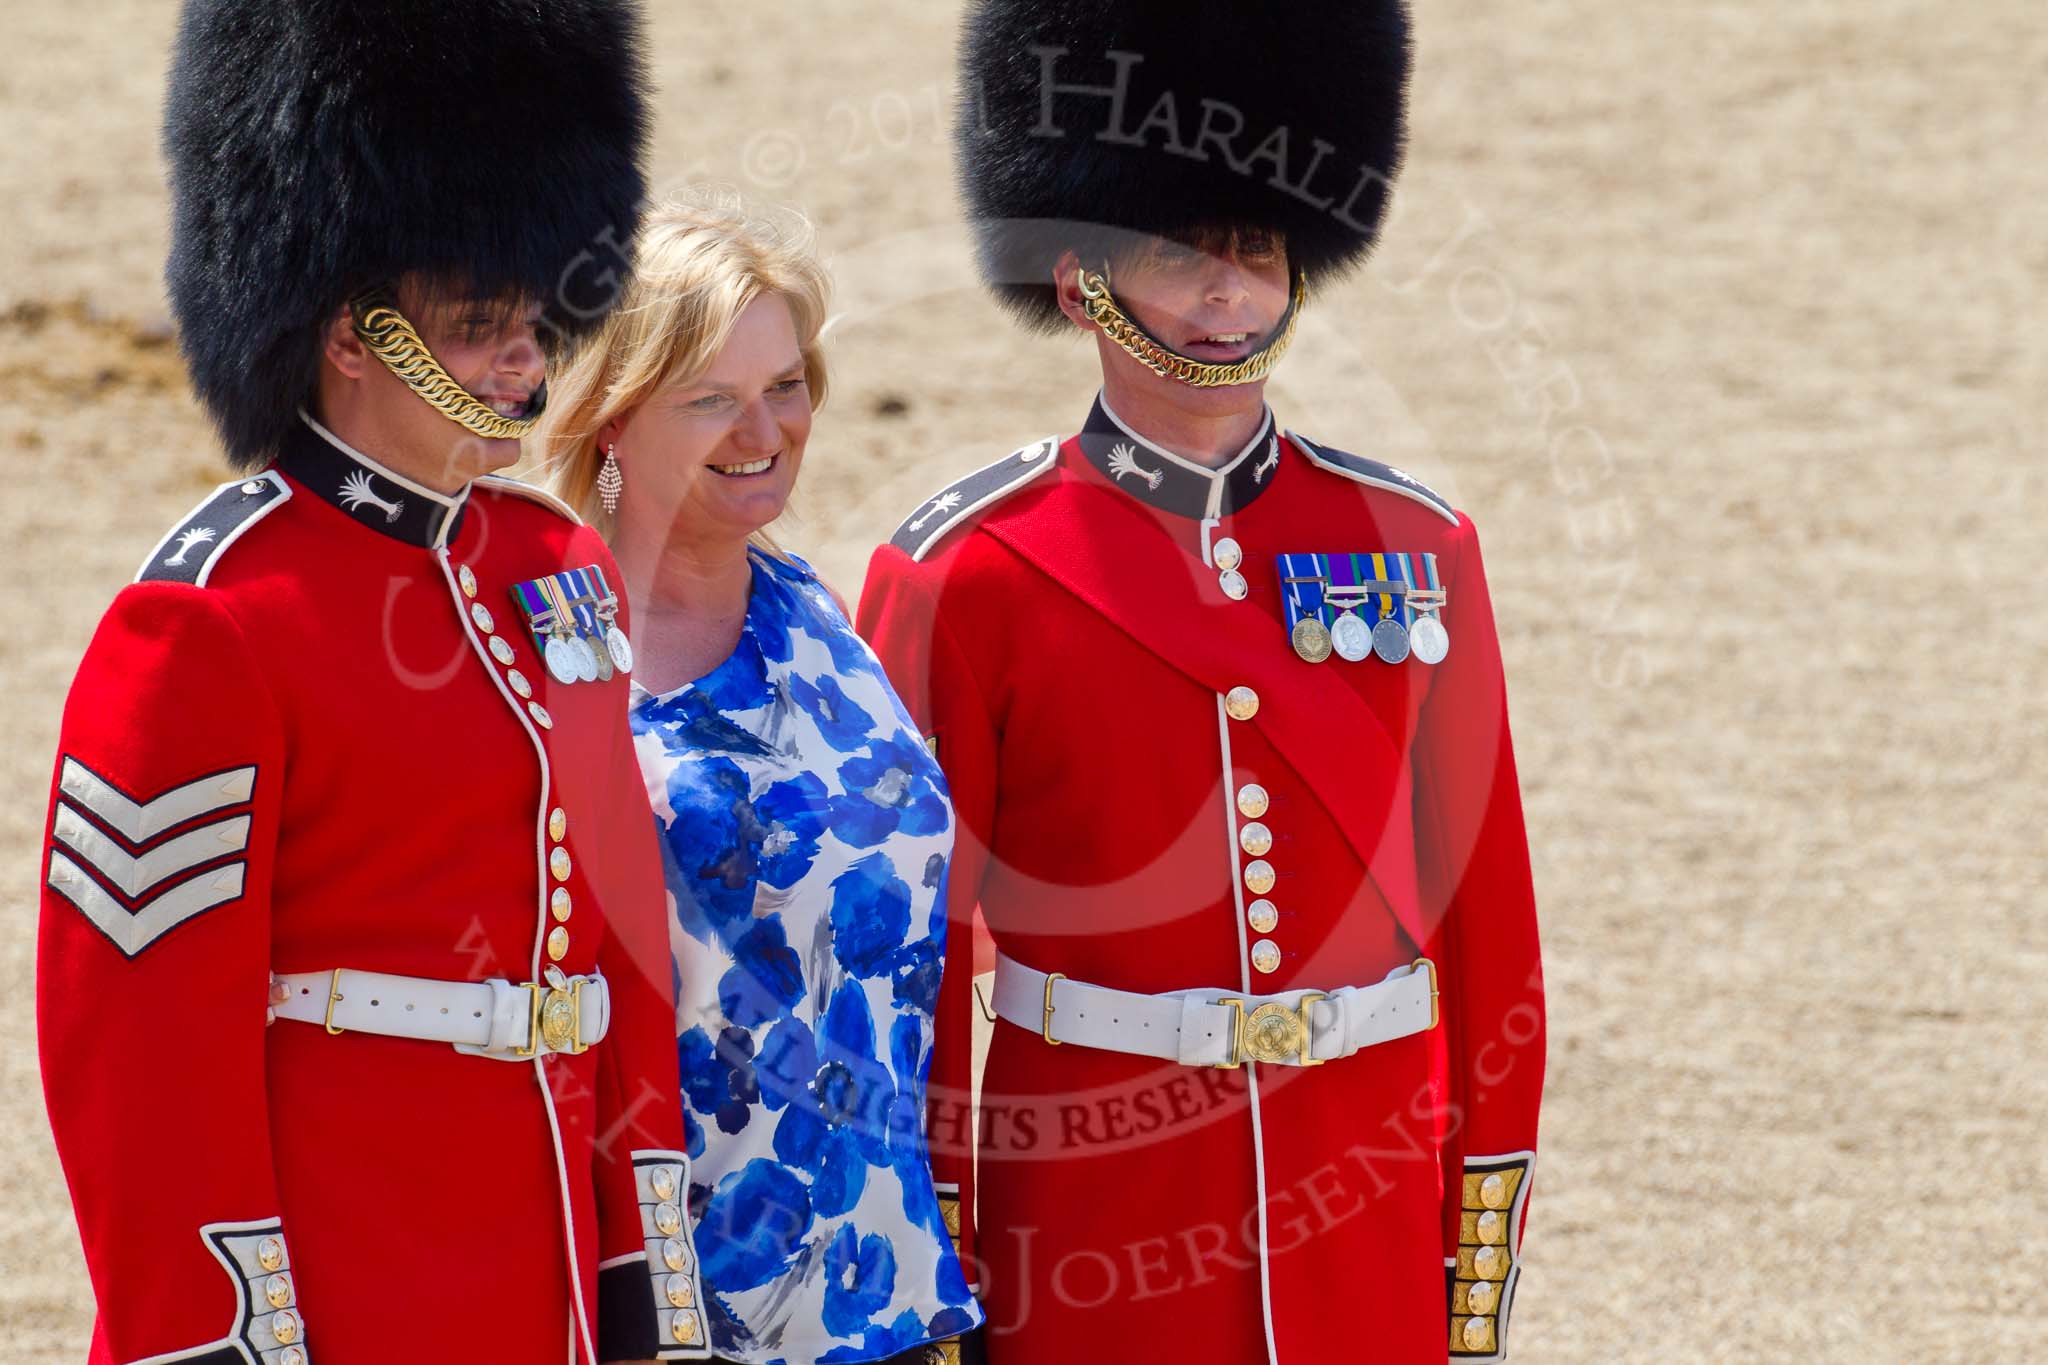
x=1085 y=120
x=318 y=148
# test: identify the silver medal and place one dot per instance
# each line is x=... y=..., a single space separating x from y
x=1428 y=638
x=561 y=659
x=1350 y=638
x=622 y=649
x=1390 y=640
x=585 y=661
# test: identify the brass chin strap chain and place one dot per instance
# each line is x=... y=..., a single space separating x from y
x=392 y=340
x=1147 y=350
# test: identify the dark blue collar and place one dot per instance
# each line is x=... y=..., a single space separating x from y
x=378 y=497
x=1153 y=474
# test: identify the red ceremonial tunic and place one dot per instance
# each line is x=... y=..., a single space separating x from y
x=291 y=748
x=1057 y=625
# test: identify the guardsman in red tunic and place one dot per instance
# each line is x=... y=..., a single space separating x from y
x=353 y=989
x=1222 y=711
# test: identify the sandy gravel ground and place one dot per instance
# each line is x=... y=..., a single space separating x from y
x=1772 y=612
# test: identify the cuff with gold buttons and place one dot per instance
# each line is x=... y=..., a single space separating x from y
x=268 y=1320
x=651 y=1304
x=1483 y=1276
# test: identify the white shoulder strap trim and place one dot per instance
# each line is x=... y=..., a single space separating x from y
x=1378 y=475
x=519 y=488
x=275 y=492
x=966 y=496
x=1525 y=1162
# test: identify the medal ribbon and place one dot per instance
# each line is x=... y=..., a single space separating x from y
x=1347 y=572
x=1404 y=570
x=1418 y=571
x=1304 y=599
x=1309 y=582
x=583 y=602
x=607 y=600
x=533 y=602
x=551 y=588
x=1388 y=606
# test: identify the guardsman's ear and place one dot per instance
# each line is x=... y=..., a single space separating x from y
x=341 y=347
x=1066 y=283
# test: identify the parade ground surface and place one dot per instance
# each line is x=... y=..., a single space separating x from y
x=1722 y=321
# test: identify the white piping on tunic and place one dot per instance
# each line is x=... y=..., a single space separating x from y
x=236 y=1341
x=385 y=471
x=519 y=488
x=380 y=468
x=1251 y=1069
x=540 y=845
x=1514 y=1245
x=1322 y=461
x=1219 y=477
x=1047 y=448
x=269 y=476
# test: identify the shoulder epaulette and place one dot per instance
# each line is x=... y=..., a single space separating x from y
x=985 y=487
x=519 y=488
x=1363 y=470
x=191 y=549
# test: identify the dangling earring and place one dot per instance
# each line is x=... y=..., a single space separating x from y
x=610 y=481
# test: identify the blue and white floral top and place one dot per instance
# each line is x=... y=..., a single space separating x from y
x=804 y=833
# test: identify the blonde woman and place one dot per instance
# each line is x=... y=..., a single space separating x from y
x=805 y=830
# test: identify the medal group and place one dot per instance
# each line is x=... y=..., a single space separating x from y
x=1381 y=604
x=574 y=619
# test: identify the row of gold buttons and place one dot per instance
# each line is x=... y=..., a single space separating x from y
x=487 y=626
x=558 y=899
x=675 y=1286
x=1241 y=703
x=277 y=1292
x=558 y=819
x=1483 y=1260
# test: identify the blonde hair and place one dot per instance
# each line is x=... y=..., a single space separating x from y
x=699 y=261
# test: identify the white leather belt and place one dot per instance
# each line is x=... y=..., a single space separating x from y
x=495 y=1018
x=1218 y=1027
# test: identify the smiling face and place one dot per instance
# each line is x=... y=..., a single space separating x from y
x=491 y=348
x=1215 y=295
x=714 y=460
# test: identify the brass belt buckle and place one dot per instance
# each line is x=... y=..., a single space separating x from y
x=1308 y=1027
x=1425 y=962
x=1272 y=1033
x=1236 y=1033
x=333 y=995
x=556 y=1017
x=1045 y=1025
